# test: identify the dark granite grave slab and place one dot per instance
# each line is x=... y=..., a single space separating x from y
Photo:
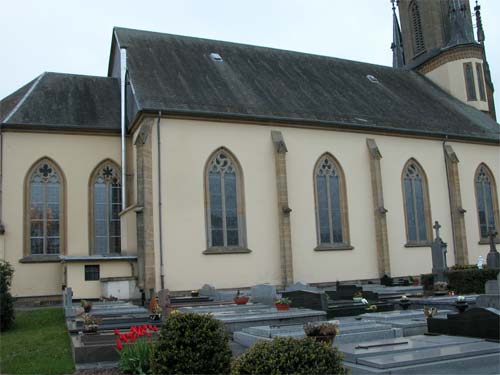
x=476 y=322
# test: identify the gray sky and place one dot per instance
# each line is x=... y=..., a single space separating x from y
x=73 y=36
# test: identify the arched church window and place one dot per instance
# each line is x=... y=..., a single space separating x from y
x=418 y=36
x=486 y=199
x=224 y=202
x=105 y=205
x=331 y=204
x=45 y=209
x=416 y=204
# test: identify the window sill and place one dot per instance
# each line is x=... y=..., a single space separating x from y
x=486 y=241
x=226 y=250
x=419 y=244
x=339 y=247
x=42 y=258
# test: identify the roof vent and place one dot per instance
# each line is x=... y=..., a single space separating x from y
x=216 y=57
x=372 y=79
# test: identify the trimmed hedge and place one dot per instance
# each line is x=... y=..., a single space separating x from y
x=470 y=280
x=192 y=344
x=285 y=355
x=6 y=301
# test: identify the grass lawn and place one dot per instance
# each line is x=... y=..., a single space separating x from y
x=38 y=344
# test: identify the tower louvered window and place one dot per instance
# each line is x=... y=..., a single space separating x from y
x=470 y=85
x=480 y=81
x=418 y=36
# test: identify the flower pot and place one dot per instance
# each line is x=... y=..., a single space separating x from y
x=87 y=308
x=154 y=317
x=326 y=339
x=404 y=303
x=415 y=283
x=241 y=300
x=90 y=328
x=282 y=306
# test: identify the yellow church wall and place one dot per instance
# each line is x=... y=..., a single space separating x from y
x=186 y=146
x=450 y=77
x=470 y=156
x=92 y=289
x=77 y=156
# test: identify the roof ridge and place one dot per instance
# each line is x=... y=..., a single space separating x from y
x=282 y=50
x=23 y=99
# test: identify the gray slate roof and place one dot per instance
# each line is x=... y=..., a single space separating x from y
x=64 y=101
x=175 y=74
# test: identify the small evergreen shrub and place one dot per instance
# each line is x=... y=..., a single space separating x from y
x=192 y=344
x=6 y=301
x=285 y=355
x=427 y=281
x=470 y=280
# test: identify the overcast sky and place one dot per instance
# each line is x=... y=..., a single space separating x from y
x=73 y=36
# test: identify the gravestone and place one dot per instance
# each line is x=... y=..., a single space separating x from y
x=68 y=302
x=309 y=299
x=264 y=293
x=493 y=257
x=491 y=298
x=438 y=249
x=208 y=290
x=299 y=285
x=164 y=301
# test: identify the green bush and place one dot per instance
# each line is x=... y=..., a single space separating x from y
x=192 y=344
x=6 y=302
x=285 y=355
x=427 y=281
x=470 y=280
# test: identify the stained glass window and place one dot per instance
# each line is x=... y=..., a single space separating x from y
x=416 y=202
x=45 y=197
x=486 y=200
x=330 y=209
x=224 y=201
x=106 y=203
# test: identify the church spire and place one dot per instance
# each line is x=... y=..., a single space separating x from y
x=479 y=23
x=398 y=58
x=460 y=30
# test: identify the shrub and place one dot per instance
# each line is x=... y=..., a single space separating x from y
x=427 y=281
x=136 y=349
x=6 y=301
x=470 y=280
x=386 y=280
x=192 y=344
x=285 y=355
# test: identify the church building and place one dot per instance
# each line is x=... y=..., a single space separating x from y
x=199 y=161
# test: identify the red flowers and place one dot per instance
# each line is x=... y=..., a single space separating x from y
x=134 y=333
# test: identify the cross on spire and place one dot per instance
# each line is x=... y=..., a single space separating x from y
x=437 y=226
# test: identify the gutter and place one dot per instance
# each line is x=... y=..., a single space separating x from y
x=162 y=273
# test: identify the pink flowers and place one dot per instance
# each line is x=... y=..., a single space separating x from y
x=134 y=333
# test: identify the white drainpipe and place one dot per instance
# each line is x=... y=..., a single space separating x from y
x=123 y=88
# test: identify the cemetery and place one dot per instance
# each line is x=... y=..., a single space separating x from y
x=379 y=329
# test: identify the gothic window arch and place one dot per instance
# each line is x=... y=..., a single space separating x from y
x=416 y=25
x=225 y=213
x=105 y=188
x=332 y=224
x=486 y=200
x=416 y=204
x=44 y=209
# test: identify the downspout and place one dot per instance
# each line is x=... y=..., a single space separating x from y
x=123 y=88
x=2 y=227
x=450 y=199
x=162 y=274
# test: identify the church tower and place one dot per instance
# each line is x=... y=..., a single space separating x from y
x=437 y=40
